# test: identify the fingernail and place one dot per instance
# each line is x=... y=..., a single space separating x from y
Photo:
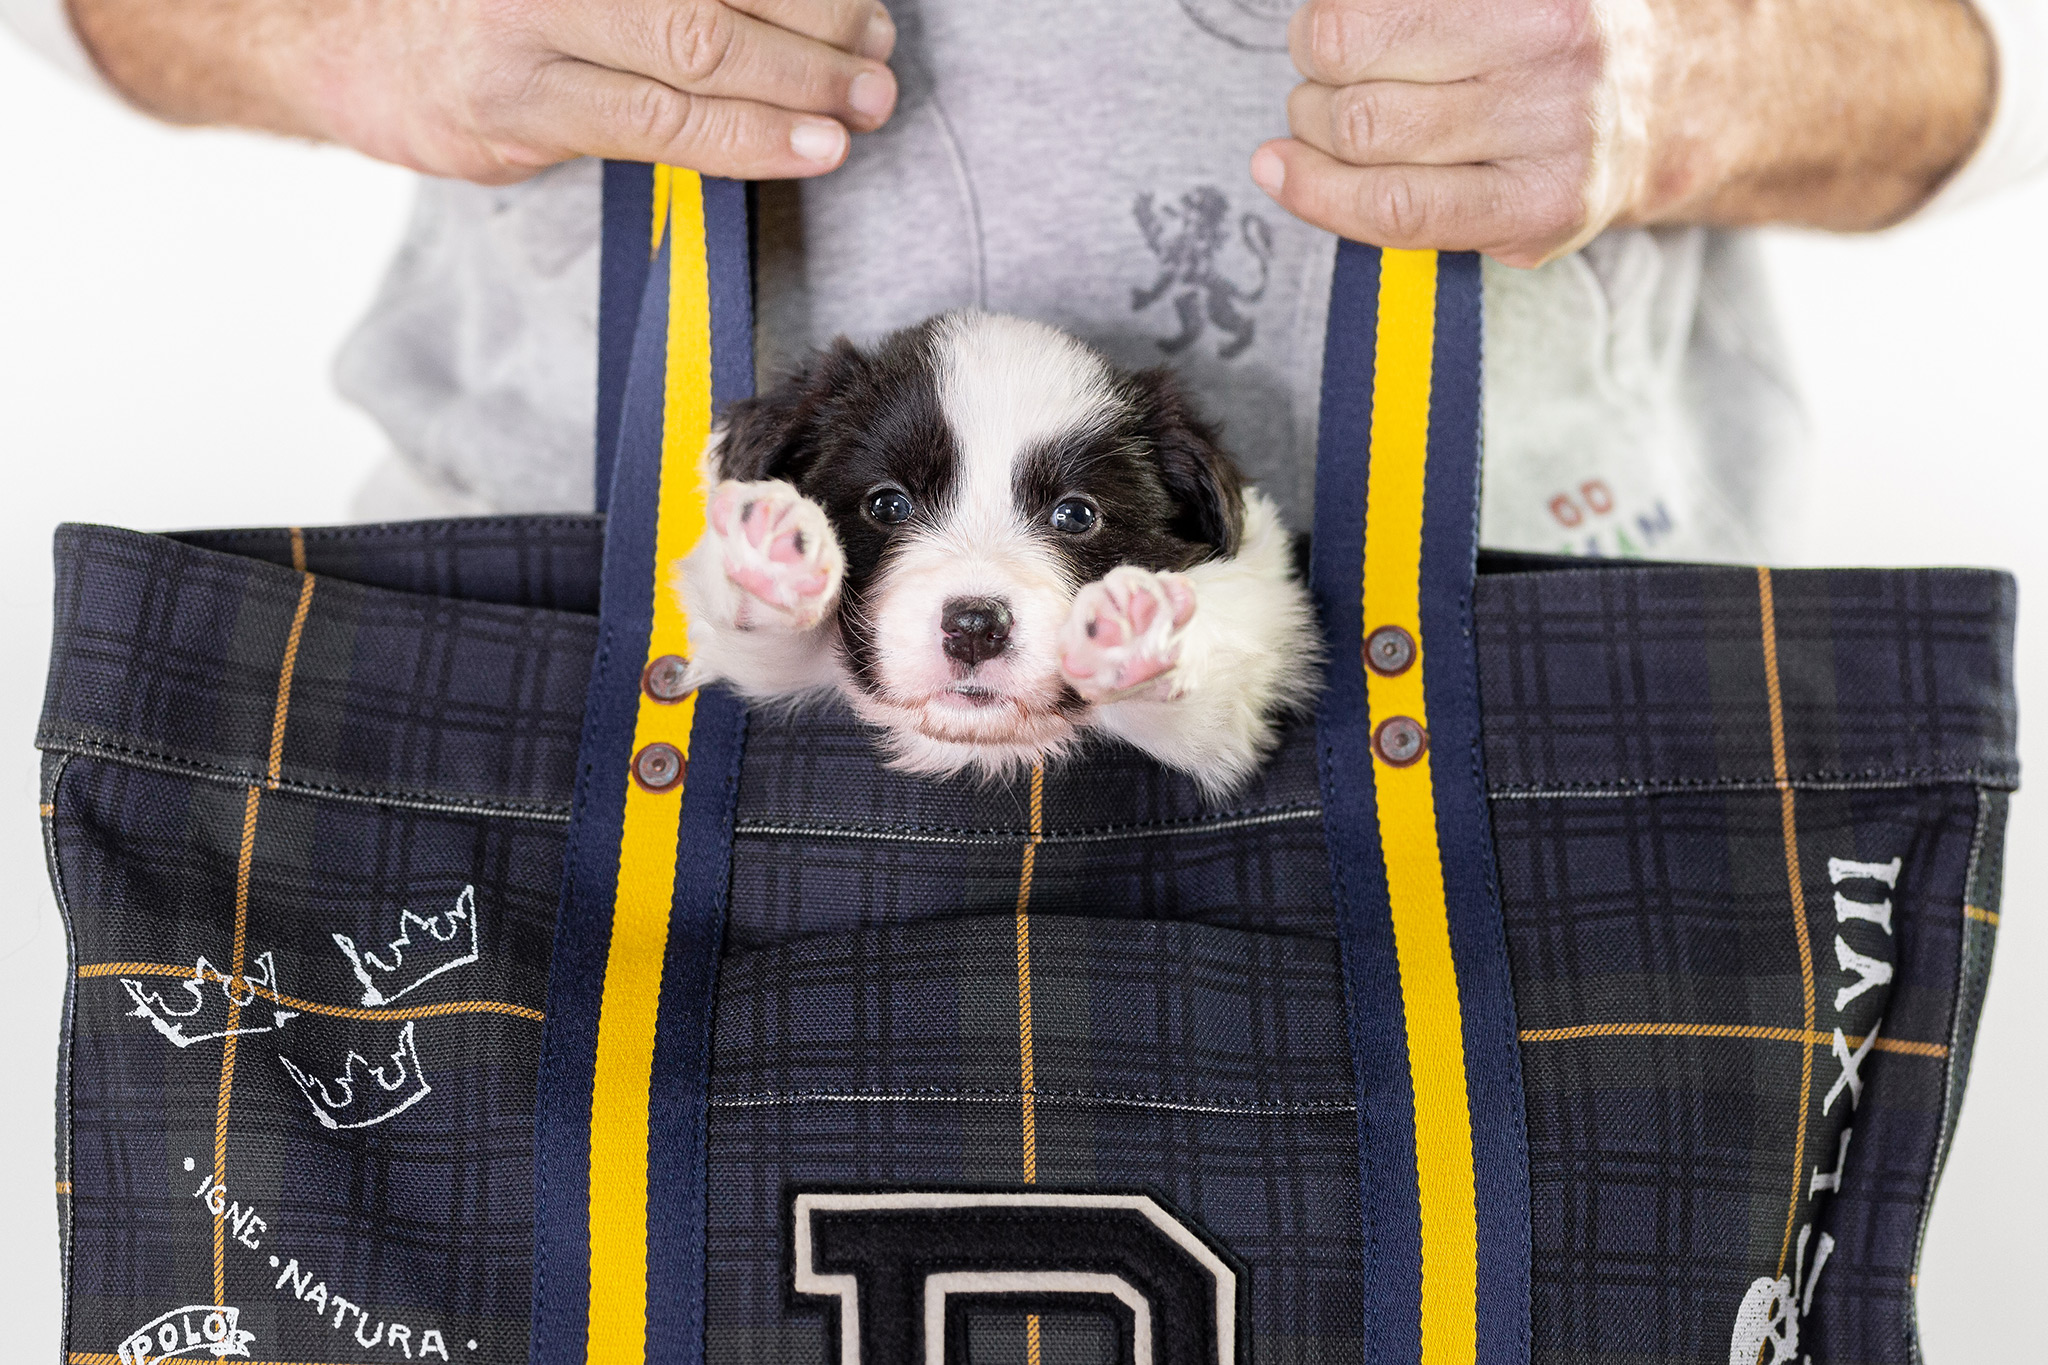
x=873 y=93
x=880 y=38
x=1268 y=170
x=821 y=140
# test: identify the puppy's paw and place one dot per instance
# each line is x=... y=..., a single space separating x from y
x=1122 y=638
x=779 y=551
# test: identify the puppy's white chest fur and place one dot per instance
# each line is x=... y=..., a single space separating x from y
x=990 y=540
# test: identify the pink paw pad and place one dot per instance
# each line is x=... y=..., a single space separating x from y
x=779 y=549
x=769 y=530
x=1123 y=636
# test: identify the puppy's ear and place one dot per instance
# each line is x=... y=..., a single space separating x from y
x=773 y=434
x=1207 y=490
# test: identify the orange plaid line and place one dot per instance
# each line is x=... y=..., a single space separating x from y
x=1753 y=1032
x=292 y=1002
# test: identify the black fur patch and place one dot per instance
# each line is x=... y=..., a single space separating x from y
x=1168 y=495
x=848 y=421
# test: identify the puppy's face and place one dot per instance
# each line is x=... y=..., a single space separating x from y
x=978 y=470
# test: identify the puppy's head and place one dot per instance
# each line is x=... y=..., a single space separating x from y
x=978 y=471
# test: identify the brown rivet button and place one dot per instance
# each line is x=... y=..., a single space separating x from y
x=1399 y=741
x=663 y=678
x=1389 y=651
x=658 y=767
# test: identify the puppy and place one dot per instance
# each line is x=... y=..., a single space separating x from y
x=991 y=540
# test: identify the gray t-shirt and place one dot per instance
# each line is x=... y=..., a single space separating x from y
x=1086 y=164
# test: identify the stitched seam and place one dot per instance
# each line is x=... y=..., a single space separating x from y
x=1340 y=891
x=401 y=531
x=551 y=1038
x=1949 y=1079
x=1494 y=951
x=76 y=745
x=943 y=834
x=177 y=765
x=66 y=1230
x=1867 y=779
x=1653 y=569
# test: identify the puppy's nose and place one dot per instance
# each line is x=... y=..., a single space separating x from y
x=976 y=628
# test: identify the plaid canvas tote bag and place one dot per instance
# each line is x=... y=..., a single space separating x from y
x=1592 y=979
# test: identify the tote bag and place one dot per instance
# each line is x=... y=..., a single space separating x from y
x=1593 y=978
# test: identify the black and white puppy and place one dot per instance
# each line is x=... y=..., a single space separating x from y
x=990 y=539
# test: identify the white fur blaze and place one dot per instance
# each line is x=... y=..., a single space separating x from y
x=1122 y=639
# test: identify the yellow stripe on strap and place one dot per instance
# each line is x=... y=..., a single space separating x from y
x=647 y=849
x=1407 y=814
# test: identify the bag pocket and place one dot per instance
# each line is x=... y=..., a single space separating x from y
x=1205 y=1069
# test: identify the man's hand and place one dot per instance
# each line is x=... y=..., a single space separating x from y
x=494 y=90
x=1522 y=128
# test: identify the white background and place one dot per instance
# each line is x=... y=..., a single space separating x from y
x=169 y=302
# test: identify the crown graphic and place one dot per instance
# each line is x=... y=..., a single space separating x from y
x=208 y=992
x=426 y=946
x=363 y=1095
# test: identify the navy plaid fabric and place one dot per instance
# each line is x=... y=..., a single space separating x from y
x=1186 y=1024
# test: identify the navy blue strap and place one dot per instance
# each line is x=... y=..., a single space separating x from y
x=1443 y=1283
x=624 y=258
x=573 y=1254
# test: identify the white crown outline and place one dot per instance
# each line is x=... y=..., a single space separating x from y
x=405 y=1074
x=362 y=961
x=151 y=1005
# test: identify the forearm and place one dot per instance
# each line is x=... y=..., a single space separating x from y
x=1840 y=114
x=206 y=61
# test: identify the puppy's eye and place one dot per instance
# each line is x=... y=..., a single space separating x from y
x=889 y=506
x=1074 y=516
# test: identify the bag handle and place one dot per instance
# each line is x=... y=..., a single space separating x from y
x=1443 y=1145
x=619 y=1196
x=1443 y=1163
